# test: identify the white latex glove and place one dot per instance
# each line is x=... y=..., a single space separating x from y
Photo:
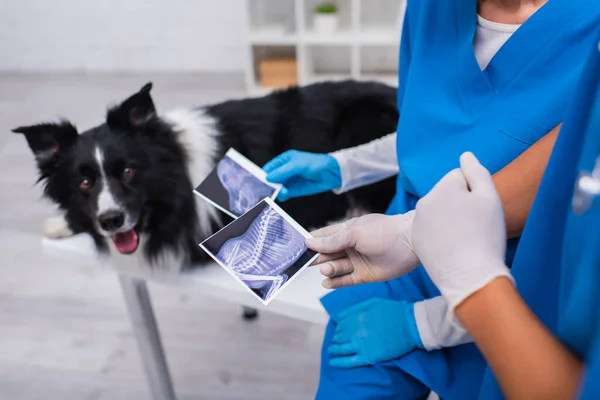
x=372 y=248
x=459 y=232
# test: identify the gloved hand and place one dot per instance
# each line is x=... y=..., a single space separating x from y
x=459 y=232
x=303 y=174
x=374 y=331
x=371 y=248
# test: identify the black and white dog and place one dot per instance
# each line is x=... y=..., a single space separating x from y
x=128 y=182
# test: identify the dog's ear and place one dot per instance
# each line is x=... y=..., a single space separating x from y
x=47 y=142
x=133 y=112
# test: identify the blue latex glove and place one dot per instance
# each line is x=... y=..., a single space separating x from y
x=303 y=174
x=374 y=331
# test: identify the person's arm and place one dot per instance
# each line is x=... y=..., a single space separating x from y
x=458 y=233
x=527 y=360
x=368 y=163
x=518 y=182
x=304 y=174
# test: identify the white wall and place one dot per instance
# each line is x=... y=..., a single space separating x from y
x=122 y=35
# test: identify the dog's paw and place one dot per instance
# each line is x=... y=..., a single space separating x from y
x=57 y=228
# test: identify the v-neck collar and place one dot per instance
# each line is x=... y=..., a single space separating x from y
x=519 y=51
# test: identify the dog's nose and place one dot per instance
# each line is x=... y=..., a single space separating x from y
x=111 y=220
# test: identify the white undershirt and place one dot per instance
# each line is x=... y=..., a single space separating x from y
x=489 y=38
x=377 y=160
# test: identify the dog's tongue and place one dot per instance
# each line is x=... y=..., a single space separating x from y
x=126 y=242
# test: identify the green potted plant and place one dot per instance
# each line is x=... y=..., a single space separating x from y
x=326 y=18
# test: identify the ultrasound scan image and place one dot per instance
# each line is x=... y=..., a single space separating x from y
x=233 y=189
x=262 y=249
x=243 y=188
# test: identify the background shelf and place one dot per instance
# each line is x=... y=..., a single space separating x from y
x=365 y=47
x=345 y=8
x=322 y=77
x=382 y=14
x=388 y=79
x=327 y=63
x=345 y=37
x=379 y=36
x=272 y=35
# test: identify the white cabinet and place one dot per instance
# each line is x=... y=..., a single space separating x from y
x=364 y=47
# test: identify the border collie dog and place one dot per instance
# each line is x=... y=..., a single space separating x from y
x=128 y=182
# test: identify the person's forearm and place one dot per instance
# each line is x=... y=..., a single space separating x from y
x=368 y=163
x=518 y=182
x=527 y=360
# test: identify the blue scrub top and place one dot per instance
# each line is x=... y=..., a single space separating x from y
x=448 y=106
x=557 y=265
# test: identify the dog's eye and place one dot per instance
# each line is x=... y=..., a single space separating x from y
x=85 y=184
x=128 y=172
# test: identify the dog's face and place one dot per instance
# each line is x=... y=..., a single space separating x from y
x=111 y=178
x=106 y=169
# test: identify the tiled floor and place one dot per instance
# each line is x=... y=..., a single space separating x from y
x=64 y=333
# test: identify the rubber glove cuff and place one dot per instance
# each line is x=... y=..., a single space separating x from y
x=413 y=327
x=333 y=172
x=436 y=332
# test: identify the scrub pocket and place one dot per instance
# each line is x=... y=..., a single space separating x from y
x=523 y=129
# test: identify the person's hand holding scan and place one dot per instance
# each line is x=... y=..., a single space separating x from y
x=303 y=174
x=371 y=248
x=459 y=232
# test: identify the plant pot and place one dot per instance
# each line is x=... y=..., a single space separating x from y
x=326 y=23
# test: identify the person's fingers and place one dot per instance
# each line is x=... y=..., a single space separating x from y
x=329 y=230
x=283 y=195
x=325 y=258
x=341 y=281
x=357 y=308
x=341 y=337
x=476 y=175
x=348 y=323
x=299 y=186
x=278 y=161
x=452 y=181
x=343 y=349
x=348 y=362
x=332 y=244
x=335 y=268
x=285 y=172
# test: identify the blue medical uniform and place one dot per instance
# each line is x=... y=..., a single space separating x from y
x=449 y=106
x=557 y=266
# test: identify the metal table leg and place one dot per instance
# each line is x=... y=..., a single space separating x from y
x=148 y=338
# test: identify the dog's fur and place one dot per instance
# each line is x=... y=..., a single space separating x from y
x=144 y=166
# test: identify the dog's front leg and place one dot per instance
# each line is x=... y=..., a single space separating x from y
x=57 y=228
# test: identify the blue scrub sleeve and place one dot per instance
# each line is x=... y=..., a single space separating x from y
x=590 y=385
